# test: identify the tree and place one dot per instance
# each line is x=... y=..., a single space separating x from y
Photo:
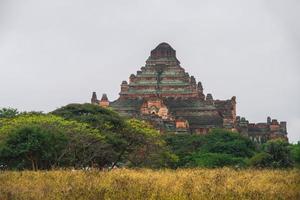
x=217 y=148
x=8 y=112
x=34 y=144
x=40 y=141
x=213 y=160
x=183 y=146
x=132 y=142
x=280 y=153
x=295 y=153
x=261 y=160
x=97 y=117
x=144 y=146
x=224 y=141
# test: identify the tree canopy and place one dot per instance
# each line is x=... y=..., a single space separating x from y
x=132 y=141
x=216 y=149
x=46 y=141
x=8 y=112
x=86 y=135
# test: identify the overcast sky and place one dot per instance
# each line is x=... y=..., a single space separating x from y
x=57 y=52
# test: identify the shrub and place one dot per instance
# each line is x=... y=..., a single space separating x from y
x=214 y=160
x=262 y=159
x=36 y=141
x=280 y=153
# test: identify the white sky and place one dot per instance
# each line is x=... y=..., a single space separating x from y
x=57 y=52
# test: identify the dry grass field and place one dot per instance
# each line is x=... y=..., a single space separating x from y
x=143 y=184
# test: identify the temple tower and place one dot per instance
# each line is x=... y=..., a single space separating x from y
x=162 y=77
x=104 y=101
x=164 y=94
x=94 y=99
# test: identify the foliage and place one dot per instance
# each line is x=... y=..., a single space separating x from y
x=132 y=142
x=81 y=135
x=40 y=141
x=8 y=112
x=145 y=147
x=183 y=146
x=280 y=153
x=100 y=118
x=141 y=184
x=260 y=160
x=228 y=142
x=275 y=154
x=108 y=122
x=34 y=144
x=214 y=160
x=218 y=148
x=295 y=153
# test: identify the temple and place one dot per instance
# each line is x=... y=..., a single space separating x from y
x=164 y=94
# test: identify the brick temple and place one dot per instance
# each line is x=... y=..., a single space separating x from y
x=164 y=94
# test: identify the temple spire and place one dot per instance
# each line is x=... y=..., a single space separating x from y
x=94 y=99
x=104 y=101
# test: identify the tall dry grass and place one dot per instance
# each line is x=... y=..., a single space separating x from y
x=143 y=184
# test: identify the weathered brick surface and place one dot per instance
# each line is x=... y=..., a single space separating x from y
x=164 y=94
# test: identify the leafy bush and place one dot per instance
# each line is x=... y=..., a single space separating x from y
x=280 y=153
x=295 y=153
x=47 y=141
x=8 y=112
x=217 y=148
x=132 y=142
x=213 y=160
x=80 y=135
x=262 y=159
x=183 y=146
x=228 y=142
x=103 y=119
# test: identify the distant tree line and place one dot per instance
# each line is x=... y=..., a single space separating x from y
x=86 y=135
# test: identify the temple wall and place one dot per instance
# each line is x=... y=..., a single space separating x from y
x=104 y=104
x=153 y=92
